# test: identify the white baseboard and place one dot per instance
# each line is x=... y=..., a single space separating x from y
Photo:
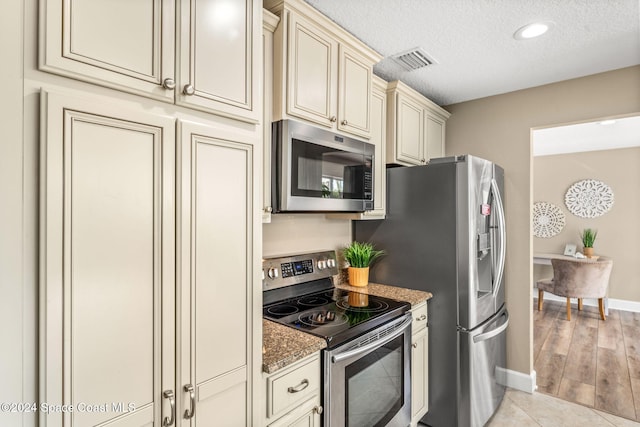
x=517 y=380
x=616 y=304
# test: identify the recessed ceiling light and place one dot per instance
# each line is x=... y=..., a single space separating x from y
x=532 y=30
x=607 y=122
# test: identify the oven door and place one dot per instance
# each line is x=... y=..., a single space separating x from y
x=367 y=381
x=318 y=170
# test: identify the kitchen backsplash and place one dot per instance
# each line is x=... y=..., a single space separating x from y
x=298 y=233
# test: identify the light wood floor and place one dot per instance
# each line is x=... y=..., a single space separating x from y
x=588 y=361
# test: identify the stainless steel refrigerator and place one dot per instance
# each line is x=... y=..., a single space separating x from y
x=444 y=232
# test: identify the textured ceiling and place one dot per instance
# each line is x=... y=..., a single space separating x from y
x=472 y=41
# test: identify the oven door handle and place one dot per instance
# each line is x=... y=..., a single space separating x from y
x=377 y=343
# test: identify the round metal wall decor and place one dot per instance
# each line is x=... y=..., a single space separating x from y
x=548 y=219
x=589 y=198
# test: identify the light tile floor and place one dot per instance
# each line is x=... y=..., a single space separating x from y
x=537 y=409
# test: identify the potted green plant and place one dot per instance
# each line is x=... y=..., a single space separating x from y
x=360 y=256
x=588 y=237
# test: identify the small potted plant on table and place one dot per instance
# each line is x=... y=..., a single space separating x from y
x=588 y=237
x=360 y=256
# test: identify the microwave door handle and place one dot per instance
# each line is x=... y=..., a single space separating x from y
x=501 y=237
x=377 y=343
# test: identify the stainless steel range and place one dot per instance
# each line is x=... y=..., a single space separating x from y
x=366 y=366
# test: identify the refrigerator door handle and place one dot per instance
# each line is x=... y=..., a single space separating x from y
x=492 y=333
x=501 y=237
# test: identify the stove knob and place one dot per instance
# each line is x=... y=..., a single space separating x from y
x=322 y=265
x=273 y=273
x=331 y=262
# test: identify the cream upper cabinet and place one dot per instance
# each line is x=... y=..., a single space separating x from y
x=313 y=72
x=220 y=57
x=419 y=364
x=434 y=134
x=150 y=251
x=322 y=74
x=408 y=131
x=354 y=93
x=416 y=127
x=210 y=62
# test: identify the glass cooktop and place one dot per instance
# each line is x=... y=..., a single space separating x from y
x=336 y=315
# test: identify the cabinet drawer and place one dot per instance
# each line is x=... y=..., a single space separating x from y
x=293 y=387
x=419 y=318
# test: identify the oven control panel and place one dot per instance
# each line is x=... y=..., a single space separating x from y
x=290 y=270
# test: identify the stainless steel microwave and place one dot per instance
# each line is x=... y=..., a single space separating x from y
x=315 y=170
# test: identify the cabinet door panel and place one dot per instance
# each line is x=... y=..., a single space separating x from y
x=355 y=93
x=220 y=234
x=304 y=415
x=107 y=261
x=223 y=401
x=419 y=375
x=216 y=262
x=126 y=45
x=410 y=131
x=435 y=136
x=220 y=57
x=312 y=76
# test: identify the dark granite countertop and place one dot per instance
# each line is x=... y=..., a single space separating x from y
x=283 y=346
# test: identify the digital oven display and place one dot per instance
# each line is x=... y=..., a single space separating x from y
x=296 y=268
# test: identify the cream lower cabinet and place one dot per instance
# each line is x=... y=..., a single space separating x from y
x=123 y=335
x=293 y=395
x=203 y=54
x=419 y=364
x=415 y=127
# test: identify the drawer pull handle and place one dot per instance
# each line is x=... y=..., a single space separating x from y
x=414 y=345
x=318 y=410
x=167 y=421
x=303 y=384
x=421 y=318
x=191 y=412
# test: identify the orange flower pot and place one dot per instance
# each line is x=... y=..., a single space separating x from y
x=358 y=276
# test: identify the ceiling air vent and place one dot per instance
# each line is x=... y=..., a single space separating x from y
x=413 y=59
